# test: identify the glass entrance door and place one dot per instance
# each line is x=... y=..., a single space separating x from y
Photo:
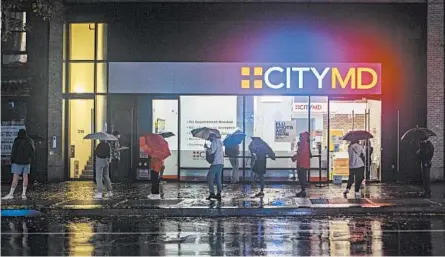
x=81 y=123
x=165 y=119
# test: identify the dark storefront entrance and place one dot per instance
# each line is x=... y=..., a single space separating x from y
x=126 y=78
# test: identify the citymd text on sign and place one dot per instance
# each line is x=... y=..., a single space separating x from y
x=335 y=77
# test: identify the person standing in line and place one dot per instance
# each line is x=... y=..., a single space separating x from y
x=232 y=152
x=22 y=155
x=102 y=170
x=216 y=159
x=356 y=167
x=259 y=156
x=156 y=166
x=115 y=155
x=425 y=156
x=303 y=162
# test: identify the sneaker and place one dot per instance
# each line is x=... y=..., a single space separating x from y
x=154 y=197
x=8 y=197
x=98 y=196
x=260 y=194
x=301 y=194
x=24 y=197
x=358 y=195
x=108 y=194
x=218 y=197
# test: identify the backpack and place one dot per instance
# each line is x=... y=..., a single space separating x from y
x=210 y=157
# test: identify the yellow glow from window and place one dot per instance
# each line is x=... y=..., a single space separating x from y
x=82 y=41
x=81 y=78
x=102 y=35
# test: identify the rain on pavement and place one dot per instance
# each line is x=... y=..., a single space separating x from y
x=249 y=236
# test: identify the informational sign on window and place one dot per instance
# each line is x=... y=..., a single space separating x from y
x=285 y=131
x=9 y=133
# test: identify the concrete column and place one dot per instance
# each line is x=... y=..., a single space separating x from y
x=435 y=83
x=56 y=170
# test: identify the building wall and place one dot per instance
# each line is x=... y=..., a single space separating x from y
x=414 y=115
x=435 y=84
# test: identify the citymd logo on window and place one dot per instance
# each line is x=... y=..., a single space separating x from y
x=318 y=76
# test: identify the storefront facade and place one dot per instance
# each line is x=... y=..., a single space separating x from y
x=256 y=69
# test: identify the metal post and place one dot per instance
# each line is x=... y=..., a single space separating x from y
x=398 y=141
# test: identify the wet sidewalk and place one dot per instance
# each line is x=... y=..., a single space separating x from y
x=188 y=200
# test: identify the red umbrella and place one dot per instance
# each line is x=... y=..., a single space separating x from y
x=155 y=146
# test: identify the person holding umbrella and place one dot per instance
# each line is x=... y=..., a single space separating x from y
x=424 y=154
x=232 y=150
x=215 y=156
x=102 y=169
x=356 y=154
x=157 y=149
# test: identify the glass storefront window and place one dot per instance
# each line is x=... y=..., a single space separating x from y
x=101 y=78
x=81 y=77
x=221 y=112
x=82 y=41
x=102 y=42
x=319 y=137
x=101 y=113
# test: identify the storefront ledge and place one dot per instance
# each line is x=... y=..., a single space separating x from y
x=239 y=212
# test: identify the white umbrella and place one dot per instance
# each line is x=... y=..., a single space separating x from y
x=101 y=136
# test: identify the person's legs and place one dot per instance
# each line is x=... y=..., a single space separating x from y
x=235 y=170
x=15 y=180
x=261 y=177
x=106 y=176
x=350 y=179
x=302 y=177
x=359 y=174
x=218 y=177
x=211 y=179
x=99 y=175
x=154 y=182
x=26 y=170
x=426 y=180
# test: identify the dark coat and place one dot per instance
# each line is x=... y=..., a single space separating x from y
x=23 y=149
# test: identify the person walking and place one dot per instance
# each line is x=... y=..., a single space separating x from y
x=303 y=162
x=156 y=166
x=232 y=152
x=102 y=170
x=356 y=167
x=215 y=156
x=22 y=155
x=425 y=155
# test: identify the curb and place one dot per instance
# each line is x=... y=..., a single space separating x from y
x=236 y=212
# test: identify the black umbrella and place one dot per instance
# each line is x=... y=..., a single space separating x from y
x=417 y=134
x=166 y=134
x=259 y=144
x=357 y=135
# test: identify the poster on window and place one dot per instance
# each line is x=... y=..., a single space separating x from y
x=285 y=131
x=9 y=133
x=159 y=126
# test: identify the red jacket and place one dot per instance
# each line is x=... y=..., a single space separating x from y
x=303 y=152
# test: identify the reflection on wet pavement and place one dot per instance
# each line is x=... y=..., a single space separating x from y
x=340 y=236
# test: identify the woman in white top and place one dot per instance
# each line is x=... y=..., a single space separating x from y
x=356 y=167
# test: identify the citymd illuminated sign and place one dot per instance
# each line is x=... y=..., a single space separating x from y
x=233 y=78
x=334 y=77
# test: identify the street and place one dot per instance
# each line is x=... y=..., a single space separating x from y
x=248 y=236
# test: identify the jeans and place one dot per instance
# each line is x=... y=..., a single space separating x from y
x=102 y=171
x=302 y=177
x=154 y=182
x=235 y=169
x=215 y=174
x=358 y=175
x=426 y=181
x=260 y=175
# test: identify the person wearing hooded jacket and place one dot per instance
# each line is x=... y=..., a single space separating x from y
x=22 y=155
x=302 y=157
